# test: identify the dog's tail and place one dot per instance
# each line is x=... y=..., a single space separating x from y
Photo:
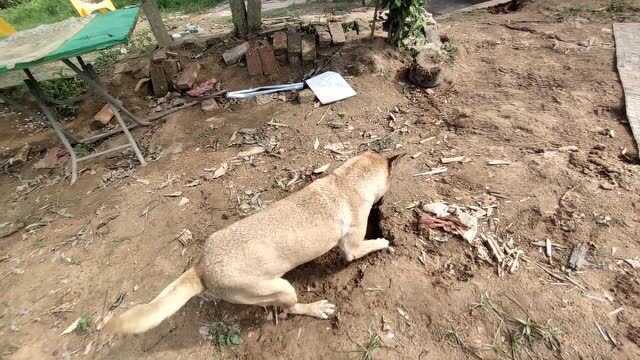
x=147 y=316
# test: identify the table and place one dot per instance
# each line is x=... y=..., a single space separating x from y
x=101 y=32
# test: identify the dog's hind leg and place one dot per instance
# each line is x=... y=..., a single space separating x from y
x=278 y=292
x=354 y=246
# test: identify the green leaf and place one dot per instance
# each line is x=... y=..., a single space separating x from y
x=235 y=339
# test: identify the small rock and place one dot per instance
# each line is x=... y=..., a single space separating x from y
x=306 y=96
x=183 y=201
x=215 y=122
x=210 y=105
x=607 y=186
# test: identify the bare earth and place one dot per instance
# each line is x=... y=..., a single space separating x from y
x=522 y=94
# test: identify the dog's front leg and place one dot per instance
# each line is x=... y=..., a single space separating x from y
x=354 y=246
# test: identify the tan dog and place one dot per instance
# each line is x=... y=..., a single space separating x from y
x=244 y=263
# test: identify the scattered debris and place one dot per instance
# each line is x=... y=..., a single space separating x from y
x=256 y=150
x=194 y=183
x=175 y=194
x=306 y=96
x=183 y=201
x=459 y=223
x=322 y=169
x=434 y=171
x=220 y=171
x=634 y=263
x=185 y=237
x=21 y=156
x=8 y=229
x=209 y=105
x=498 y=162
x=54 y=157
x=339 y=148
x=455 y=159
x=203 y=88
x=577 y=257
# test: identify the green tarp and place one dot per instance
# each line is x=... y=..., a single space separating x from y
x=104 y=31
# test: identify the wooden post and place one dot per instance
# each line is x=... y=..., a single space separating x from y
x=254 y=14
x=239 y=16
x=152 y=12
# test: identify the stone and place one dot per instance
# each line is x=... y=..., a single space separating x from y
x=209 y=105
x=306 y=96
x=171 y=68
x=188 y=77
x=234 y=55
x=254 y=65
x=215 y=122
x=337 y=33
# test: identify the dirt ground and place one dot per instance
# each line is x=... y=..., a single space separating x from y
x=536 y=87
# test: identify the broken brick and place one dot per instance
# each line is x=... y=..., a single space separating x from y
x=188 y=77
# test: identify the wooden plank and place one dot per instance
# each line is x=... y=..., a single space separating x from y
x=152 y=12
x=628 y=54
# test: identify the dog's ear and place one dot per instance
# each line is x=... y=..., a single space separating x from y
x=393 y=161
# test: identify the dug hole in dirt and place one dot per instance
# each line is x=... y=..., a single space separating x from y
x=526 y=142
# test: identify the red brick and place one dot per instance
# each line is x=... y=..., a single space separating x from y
x=280 y=43
x=254 y=65
x=267 y=58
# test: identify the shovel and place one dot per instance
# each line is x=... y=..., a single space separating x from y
x=328 y=87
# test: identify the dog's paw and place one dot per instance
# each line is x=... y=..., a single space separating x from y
x=322 y=309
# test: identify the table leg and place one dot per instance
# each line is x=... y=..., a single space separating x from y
x=35 y=90
x=100 y=90
x=132 y=141
x=72 y=139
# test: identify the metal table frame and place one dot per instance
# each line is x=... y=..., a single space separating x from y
x=87 y=73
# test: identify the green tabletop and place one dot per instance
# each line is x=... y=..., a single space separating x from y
x=102 y=32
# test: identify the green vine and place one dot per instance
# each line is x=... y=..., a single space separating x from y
x=407 y=22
